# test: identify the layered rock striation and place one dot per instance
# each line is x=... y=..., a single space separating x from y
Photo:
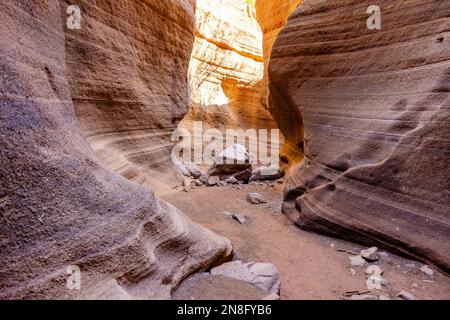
x=226 y=68
x=60 y=207
x=272 y=17
x=127 y=78
x=374 y=105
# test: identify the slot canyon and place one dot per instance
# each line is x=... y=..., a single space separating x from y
x=91 y=115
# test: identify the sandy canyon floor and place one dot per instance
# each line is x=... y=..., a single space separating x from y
x=311 y=266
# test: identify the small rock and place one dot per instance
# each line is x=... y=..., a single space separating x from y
x=384 y=297
x=262 y=275
x=187 y=185
x=272 y=296
x=414 y=285
x=405 y=295
x=222 y=183
x=357 y=261
x=410 y=265
x=194 y=170
x=429 y=281
x=384 y=254
x=280 y=181
x=352 y=272
x=255 y=198
x=228 y=213
x=232 y=180
x=427 y=270
x=212 y=181
x=363 y=297
x=241 y=218
x=198 y=182
x=374 y=269
x=384 y=282
x=370 y=254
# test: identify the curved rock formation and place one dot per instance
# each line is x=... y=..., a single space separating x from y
x=226 y=68
x=59 y=206
x=375 y=110
x=272 y=16
x=127 y=76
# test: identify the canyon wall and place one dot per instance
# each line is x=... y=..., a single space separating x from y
x=59 y=205
x=375 y=109
x=226 y=68
x=272 y=16
x=128 y=81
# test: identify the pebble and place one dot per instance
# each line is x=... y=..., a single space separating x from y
x=241 y=218
x=363 y=297
x=357 y=261
x=370 y=254
x=405 y=295
x=228 y=213
x=255 y=198
x=427 y=270
x=272 y=296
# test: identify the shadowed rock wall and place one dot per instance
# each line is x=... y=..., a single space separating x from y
x=375 y=110
x=59 y=205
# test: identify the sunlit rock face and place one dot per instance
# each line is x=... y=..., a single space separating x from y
x=226 y=68
x=375 y=110
x=127 y=76
x=272 y=16
x=59 y=205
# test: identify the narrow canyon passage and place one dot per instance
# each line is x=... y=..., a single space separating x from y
x=337 y=131
x=229 y=81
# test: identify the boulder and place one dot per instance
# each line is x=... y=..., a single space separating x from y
x=232 y=160
x=262 y=275
x=267 y=173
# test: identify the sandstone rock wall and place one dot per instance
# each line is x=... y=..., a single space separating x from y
x=127 y=76
x=226 y=68
x=272 y=16
x=59 y=205
x=375 y=110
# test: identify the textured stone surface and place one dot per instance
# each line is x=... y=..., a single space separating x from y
x=59 y=205
x=375 y=110
x=127 y=78
x=272 y=16
x=226 y=68
x=262 y=275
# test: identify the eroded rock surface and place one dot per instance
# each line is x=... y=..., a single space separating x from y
x=59 y=205
x=226 y=68
x=375 y=109
x=272 y=16
x=127 y=79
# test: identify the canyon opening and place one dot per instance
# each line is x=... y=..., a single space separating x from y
x=254 y=150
